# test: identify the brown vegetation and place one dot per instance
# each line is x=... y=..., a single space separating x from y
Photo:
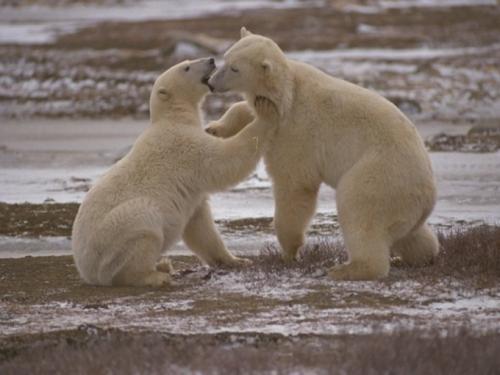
x=34 y=220
x=112 y=65
x=93 y=351
x=469 y=260
x=307 y=28
x=465 y=253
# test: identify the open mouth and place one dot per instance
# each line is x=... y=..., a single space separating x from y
x=205 y=79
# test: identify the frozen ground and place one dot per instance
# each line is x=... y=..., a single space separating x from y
x=106 y=69
x=57 y=161
x=41 y=23
x=37 y=24
x=459 y=290
x=286 y=306
x=74 y=86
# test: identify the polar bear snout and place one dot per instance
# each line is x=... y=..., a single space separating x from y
x=207 y=62
x=217 y=80
x=207 y=68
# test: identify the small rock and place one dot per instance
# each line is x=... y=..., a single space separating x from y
x=491 y=130
x=319 y=273
x=95 y=306
x=89 y=329
x=408 y=106
x=472 y=142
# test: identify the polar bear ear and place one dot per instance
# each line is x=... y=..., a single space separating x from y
x=266 y=65
x=244 y=32
x=163 y=93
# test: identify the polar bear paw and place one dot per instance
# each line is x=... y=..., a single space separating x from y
x=289 y=258
x=358 y=271
x=215 y=129
x=156 y=279
x=238 y=262
x=165 y=265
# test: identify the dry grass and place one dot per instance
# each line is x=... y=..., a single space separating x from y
x=93 y=351
x=107 y=69
x=319 y=253
x=56 y=3
x=470 y=251
x=305 y=28
x=465 y=253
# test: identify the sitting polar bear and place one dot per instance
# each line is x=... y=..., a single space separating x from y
x=334 y=132
x=158 y=192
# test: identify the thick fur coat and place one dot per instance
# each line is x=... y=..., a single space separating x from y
x=350 y=138
x=157 y=194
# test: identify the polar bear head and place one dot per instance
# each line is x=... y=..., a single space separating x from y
x=254 y=66
x=184 y=84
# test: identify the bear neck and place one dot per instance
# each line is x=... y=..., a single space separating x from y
x=178 y=112
x=280 y=90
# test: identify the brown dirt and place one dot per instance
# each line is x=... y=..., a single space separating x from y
x=56 y=219
x=469 y=255
x=34 y=280
x=112 y=65
x=468 y=260
x=34 y=220
x=307 y=28
x=55 y=3
x=481 y=138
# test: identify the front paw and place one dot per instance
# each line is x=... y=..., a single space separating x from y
x=165 y=265
x=289 y=258
x=238 y=262
x=215 y=129
x=357 y=271
x=266 y=109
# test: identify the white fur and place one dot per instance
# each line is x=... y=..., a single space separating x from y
x=157 y=194
x=334 y=132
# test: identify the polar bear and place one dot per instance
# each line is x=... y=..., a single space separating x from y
x=350 y=138
x=158 y=192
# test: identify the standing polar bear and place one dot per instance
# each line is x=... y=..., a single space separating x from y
x=334 y=132
x=158 y=192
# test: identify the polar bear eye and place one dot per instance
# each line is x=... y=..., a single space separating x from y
x=186 y=69
x=236 y=70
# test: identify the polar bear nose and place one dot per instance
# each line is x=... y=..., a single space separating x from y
x=211 y=61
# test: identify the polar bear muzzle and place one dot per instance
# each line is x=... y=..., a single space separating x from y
x=210 y=63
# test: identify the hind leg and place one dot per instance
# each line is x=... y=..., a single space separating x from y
x=419 y=248
x=364 y=217
x=140 y=267
x=368 y=256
